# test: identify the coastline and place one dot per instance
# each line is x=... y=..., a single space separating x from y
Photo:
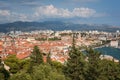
x=109 y=53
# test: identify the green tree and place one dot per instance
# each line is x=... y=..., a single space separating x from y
x=16 y=64
x=48 y=58
x=75 y=67
x=24 y=64
x=111 y=70
x=46 y=72
x=13 y=62
x=101 y=69
x=21 y=76
x=4 y=74
x=94 y=65
x=36 y=56
x=40 y=72
x=57 y=65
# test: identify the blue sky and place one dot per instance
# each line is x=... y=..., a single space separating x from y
x=77 y=11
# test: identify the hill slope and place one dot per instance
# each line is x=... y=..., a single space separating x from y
x=53 y=25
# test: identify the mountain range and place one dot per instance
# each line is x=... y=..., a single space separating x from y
x=54 y=25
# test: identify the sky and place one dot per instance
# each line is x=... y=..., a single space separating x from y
x=76 y=11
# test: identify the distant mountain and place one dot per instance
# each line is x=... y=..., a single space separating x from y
x=54 y=25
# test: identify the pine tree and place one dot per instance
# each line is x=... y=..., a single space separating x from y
x=76 y=65
x=112 y=70
x=36 y=59
x=36 y=56
x=48 y=58
x=94 y=65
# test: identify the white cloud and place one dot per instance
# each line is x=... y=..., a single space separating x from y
x=4 y=12
x=51 y=11
x=9 y=16
x=48 y=11
x=83 y=12
x=18 y=17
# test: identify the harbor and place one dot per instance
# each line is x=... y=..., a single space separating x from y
x=114 y=52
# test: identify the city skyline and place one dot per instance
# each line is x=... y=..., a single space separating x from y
x=76 y=11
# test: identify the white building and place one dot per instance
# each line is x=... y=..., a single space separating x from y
x=114 y=43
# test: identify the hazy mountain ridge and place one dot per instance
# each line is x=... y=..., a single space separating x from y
x=54 y=25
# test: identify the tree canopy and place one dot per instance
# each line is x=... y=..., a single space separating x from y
x=78 y=67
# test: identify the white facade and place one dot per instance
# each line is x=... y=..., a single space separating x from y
x=114 y=43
